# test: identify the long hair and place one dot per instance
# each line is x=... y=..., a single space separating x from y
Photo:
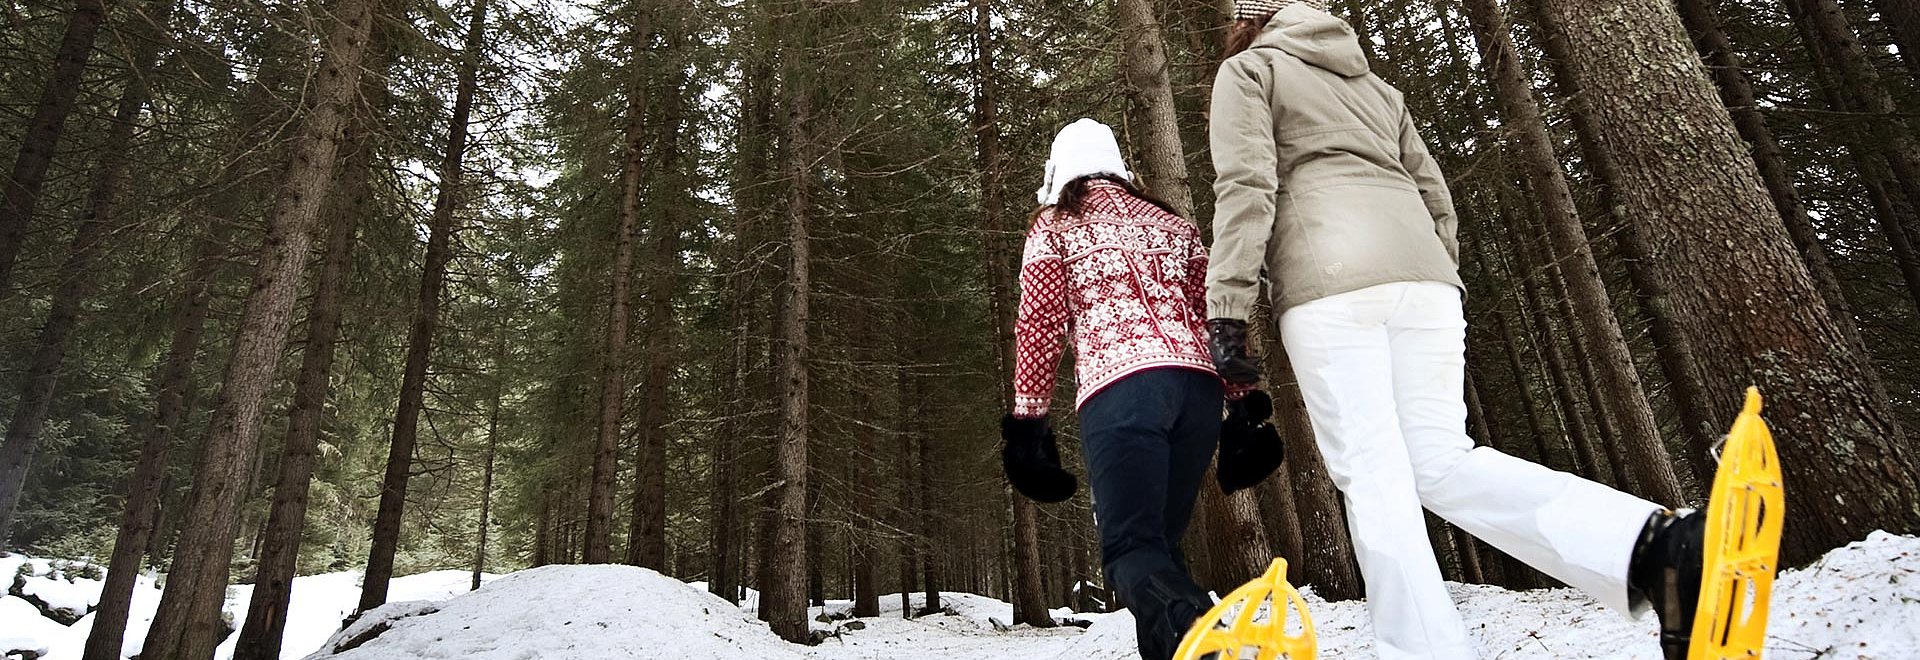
x=1073 y=196
x=1240 y=36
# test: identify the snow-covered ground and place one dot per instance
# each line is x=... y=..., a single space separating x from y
x=319 y=603
x=1861 y=601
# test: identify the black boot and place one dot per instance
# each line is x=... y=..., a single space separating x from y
x=1664 y=574
x=1172 y=603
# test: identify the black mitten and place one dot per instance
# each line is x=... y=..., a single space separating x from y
x=1031 y=459
x=1250 y=448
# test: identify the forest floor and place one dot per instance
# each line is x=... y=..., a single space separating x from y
x=1861 y=601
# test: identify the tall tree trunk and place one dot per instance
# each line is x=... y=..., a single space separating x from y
x=1845 y=83
x=426 y=324
x=137 y=537
x=543 y=542
x=1684 y=169
x=1624 y=401
x=266 y=623
x=783 y=599
x=862 y=554
x=1029 y=598
x=817 y=547
x=1588 y=373
x=1736 y=92
x=486 y=476
x=140 y=521
x=723 y=513
x=20 y=192
x=613 y=348
x=75 y=284
x=1163 y=162
x=1236 y=538
x=1282 y=518
x=1674 y=351
x=187 y=623
x=647 y=535
x=932 y=526
x=1544 y=333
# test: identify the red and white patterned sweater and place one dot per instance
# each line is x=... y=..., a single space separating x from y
x=1127 y=277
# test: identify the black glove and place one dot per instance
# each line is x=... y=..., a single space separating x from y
x=1250 y=448
x=1031 y=459
x=1227 y=340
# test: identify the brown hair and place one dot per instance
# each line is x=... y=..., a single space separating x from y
x=1240 y=36
x=1073 y=196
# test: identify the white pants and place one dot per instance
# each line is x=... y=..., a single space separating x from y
x=1382 y=371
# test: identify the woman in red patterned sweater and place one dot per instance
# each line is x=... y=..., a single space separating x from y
x=1127 y=276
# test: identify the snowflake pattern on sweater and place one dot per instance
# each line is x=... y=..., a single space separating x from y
x=1128 y=279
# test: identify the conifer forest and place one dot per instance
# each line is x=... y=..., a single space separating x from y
x=726 y=288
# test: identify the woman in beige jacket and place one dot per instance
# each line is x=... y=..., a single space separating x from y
x=1326 y=189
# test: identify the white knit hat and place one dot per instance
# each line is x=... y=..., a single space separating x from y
x=1085 y=147
x=1260 y=10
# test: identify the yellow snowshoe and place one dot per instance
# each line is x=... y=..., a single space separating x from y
x=1251 y=623
x=1742 y=549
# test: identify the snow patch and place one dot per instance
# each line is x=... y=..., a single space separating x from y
x=1860 y=601
x=66 y=600
x=576 y=612
x=26 y=630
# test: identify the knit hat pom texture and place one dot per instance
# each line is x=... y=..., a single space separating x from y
x=1259 y=10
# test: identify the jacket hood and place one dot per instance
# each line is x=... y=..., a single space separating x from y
x=1317 y=38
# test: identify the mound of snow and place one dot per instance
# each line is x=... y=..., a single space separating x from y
x=67 y=599
x=567 y=611
x=321 y=602
x=25 y=630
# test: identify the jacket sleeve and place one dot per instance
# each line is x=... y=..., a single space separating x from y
x=1247 y=183
x=1040 y=325
x=1432 y=183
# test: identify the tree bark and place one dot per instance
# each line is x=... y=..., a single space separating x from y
x=1671 y=346
x=933 y=529
x=1237 y=539
x=1163 y=161
x=1623 y=396
x=188 y=621
x=266 y=623
x=1737 y=93
x=783 y=599
x=1740 y=285
x=425 y=325
x=75 y=284
x=20 y=192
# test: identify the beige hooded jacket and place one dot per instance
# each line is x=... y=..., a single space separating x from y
x=1322 y=179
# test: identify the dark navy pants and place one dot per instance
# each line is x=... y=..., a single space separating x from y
x=1147 y=440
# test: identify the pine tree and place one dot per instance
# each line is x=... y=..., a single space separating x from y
x=187 y=620
x=1740 y=285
